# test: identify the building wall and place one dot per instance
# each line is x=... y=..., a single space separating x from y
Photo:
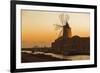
x=73 y=45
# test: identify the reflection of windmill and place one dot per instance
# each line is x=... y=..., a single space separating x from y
x=65 y=29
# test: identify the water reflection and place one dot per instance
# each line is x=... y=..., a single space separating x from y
x=75 y=57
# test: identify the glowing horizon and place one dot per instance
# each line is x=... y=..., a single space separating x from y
x=38 y=28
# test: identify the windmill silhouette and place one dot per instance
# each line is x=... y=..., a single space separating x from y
x=65 y=31
x=67 y=44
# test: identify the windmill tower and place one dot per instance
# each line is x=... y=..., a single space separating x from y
x=65 y=28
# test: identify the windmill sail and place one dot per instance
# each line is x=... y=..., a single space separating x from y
x=64 y=18
x=64 y=25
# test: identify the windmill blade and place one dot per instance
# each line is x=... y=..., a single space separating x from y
x=67 y=17
x=64 y=18
x=60 y=33
x=57 y=26
x=61 y=18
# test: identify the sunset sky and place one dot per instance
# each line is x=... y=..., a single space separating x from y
x=38 y=26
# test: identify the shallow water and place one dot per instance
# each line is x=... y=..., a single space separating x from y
x=75 y=57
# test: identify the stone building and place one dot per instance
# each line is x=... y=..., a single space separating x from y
x=66 y=44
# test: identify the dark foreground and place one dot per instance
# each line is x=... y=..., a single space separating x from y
x=26 y=57
x=49 y=55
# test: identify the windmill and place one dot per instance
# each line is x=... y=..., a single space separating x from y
x=65 y=29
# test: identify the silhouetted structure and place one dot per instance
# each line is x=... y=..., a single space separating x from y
x=66 y=44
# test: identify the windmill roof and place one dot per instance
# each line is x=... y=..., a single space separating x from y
x=67 y=25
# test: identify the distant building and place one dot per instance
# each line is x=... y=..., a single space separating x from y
x=66 y=44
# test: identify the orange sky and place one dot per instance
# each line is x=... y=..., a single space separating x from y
x=38 y=28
